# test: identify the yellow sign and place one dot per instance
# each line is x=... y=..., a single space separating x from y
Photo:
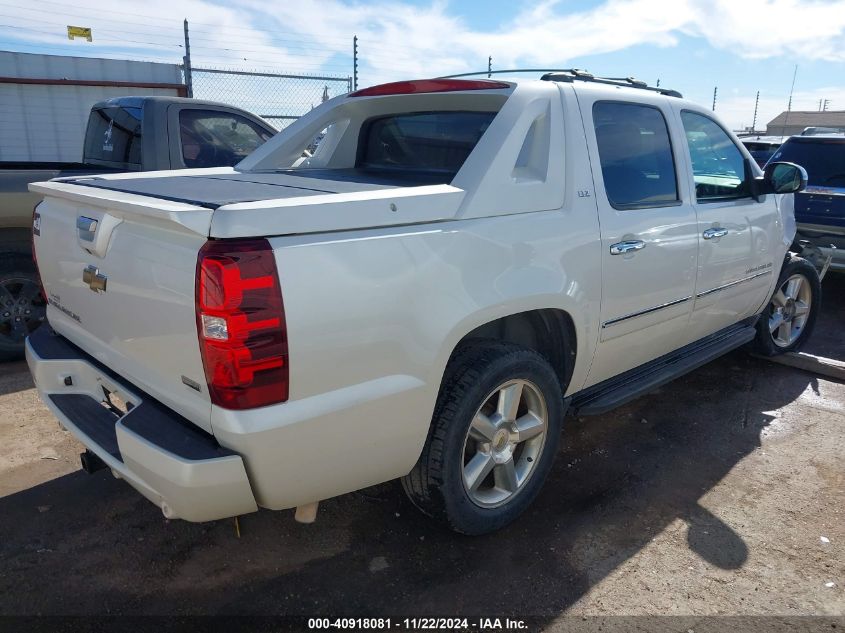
x=78 y=31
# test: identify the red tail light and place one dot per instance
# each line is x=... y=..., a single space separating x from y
x=420 y=86
x=241 y=324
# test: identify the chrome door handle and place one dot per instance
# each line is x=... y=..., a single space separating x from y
x=709 y=234
x=629 y=246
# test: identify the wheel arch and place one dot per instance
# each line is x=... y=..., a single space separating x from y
x=549 y=331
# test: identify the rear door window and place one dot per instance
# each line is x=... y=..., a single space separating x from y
x=114 y=136
x=422 y=141
x=636 y=157
x=218 y=139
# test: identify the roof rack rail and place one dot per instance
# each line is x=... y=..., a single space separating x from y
x=574 y=74
x=514 y=70
x=629 y=82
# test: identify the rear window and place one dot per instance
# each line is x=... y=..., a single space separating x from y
x=824 y=160
x=114 y=136
x=422 y=141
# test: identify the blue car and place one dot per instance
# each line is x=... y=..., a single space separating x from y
x=820 y=208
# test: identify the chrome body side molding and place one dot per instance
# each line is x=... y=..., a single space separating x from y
x=733 y=283
x=644 y=312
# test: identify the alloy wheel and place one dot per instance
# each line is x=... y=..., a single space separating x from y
x=504 y=443
x=22 y=308
x=791 y=306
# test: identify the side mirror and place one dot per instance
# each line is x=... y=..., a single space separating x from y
x=784 y=178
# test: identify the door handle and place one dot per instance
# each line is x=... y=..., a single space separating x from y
x=629 y=246
x=709 y=234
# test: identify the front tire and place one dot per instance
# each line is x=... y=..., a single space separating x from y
x=789 y=319
x=493 y=438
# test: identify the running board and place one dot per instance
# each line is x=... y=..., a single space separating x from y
x=625 y=387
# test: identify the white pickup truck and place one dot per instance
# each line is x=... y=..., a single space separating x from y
x=458 y=264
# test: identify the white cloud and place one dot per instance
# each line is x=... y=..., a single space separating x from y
x=425 y=38
x=766 y=28
x=399 y=40
x=431 y=37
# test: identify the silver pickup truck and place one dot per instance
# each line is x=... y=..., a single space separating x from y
x=123 y=135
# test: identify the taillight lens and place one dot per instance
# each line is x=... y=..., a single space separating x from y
x=36 y=230
x=241 y=324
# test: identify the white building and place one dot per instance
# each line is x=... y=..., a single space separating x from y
x=45 y=99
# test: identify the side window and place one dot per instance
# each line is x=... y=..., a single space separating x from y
x=718 y=166
x=635 y=154
x=217 y=139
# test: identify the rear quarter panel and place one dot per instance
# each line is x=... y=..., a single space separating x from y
x=372 y=320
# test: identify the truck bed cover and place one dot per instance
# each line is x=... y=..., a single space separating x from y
x=213 y=191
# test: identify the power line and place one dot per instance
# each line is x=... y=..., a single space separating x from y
x=103 y=39
x=99 y=14
x=277 y=44
x=214 y=33
x=99 y=54
x=96 y=10
x=63 y=23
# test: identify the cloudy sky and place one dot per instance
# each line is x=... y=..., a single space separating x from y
x=739 y=46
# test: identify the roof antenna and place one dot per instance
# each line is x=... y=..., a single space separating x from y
x=789 y=107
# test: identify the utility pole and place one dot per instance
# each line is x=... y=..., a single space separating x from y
x=489 y=66
x=715 y=90
x=189 y=80
x=658 y=82
x=756 y=104
x=355 y=62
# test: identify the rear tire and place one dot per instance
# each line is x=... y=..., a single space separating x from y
x=493 y=438
x=22 y=308
x=789 y=319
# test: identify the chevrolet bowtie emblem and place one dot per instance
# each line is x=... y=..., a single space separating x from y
x=95 y=280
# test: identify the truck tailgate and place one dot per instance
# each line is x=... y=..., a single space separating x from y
x=118 y=255
x=119 y=279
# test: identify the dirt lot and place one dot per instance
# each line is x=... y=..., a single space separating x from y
x=722 y=493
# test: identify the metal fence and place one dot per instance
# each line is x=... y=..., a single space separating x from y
x=279 y=98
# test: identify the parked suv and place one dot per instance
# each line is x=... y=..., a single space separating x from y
x=762 y=148
x=820 y=208
x=457 y=265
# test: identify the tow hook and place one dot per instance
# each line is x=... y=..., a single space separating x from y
x=306 y=513
x=91 y=463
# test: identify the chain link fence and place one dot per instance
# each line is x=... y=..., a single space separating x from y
x=278 y=98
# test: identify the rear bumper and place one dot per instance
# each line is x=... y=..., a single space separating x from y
x=170 y=461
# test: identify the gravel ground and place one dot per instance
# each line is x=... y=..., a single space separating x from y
x=721 y=493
